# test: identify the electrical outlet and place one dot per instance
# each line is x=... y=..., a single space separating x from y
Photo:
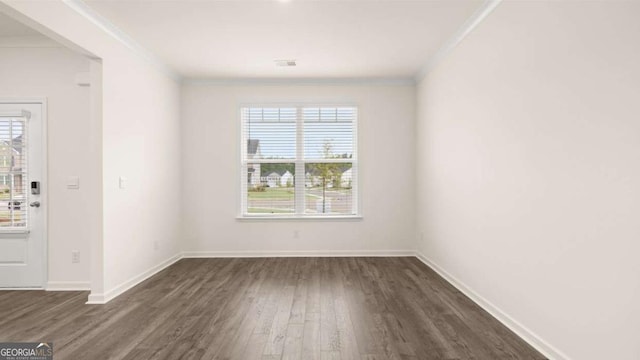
x=296 y=234
x=75 y=257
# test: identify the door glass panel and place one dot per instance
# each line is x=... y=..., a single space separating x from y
x=13 y=173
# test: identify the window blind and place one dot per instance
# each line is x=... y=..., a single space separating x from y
x=299 y=161
x=14 y=207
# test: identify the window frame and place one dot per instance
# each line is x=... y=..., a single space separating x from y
x=9 y=161
x=299 y=162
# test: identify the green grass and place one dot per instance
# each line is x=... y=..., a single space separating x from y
x=272 y=193
x=283 y=197
x=287 y=193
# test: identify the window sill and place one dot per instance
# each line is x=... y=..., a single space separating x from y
x=299 y=218
x=13 y=233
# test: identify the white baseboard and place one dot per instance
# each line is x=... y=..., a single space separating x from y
x=21 y=288
x=304 y=253
x=96 y=299
x=68 y=286
x=103 y=298
x=522 y=331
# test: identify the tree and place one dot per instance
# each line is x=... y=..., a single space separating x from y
x=280 y=168
x=327 y=172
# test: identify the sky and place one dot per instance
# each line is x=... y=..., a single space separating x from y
x=5 y=128
x=276 y=130
x=279 y=140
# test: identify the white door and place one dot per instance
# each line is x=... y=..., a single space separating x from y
x=22 y=205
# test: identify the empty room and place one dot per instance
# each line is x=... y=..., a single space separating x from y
x=319 y=179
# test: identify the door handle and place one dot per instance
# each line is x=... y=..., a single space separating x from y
x=35 y=204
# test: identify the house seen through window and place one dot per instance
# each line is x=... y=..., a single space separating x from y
x=299 y=161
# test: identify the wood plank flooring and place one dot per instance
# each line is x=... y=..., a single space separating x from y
x=268 y=308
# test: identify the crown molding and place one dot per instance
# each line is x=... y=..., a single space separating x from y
x=483 y=11
x=108 y=27
x=300 y=81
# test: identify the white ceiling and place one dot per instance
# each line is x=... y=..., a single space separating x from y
x=11 y=28
x=329 y=39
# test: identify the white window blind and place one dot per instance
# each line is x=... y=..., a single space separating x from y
x=14 y=206
x=299 y=161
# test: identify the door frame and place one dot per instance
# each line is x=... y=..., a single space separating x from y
x=44 y=193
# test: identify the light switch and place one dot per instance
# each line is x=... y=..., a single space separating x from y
x=73 y=182
x=122 y=182
x=83 y=79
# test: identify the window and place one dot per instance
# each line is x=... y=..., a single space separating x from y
x=299 y=161
x=13 y=173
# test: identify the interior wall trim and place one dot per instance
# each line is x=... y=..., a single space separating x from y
x=483 y=11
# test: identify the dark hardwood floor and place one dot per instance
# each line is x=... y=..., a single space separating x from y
x=268 y=308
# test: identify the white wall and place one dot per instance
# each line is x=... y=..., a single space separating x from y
x=528 y=165
x=140 y=141
x=211 y=171
x=528 y=171
x=50 y=73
